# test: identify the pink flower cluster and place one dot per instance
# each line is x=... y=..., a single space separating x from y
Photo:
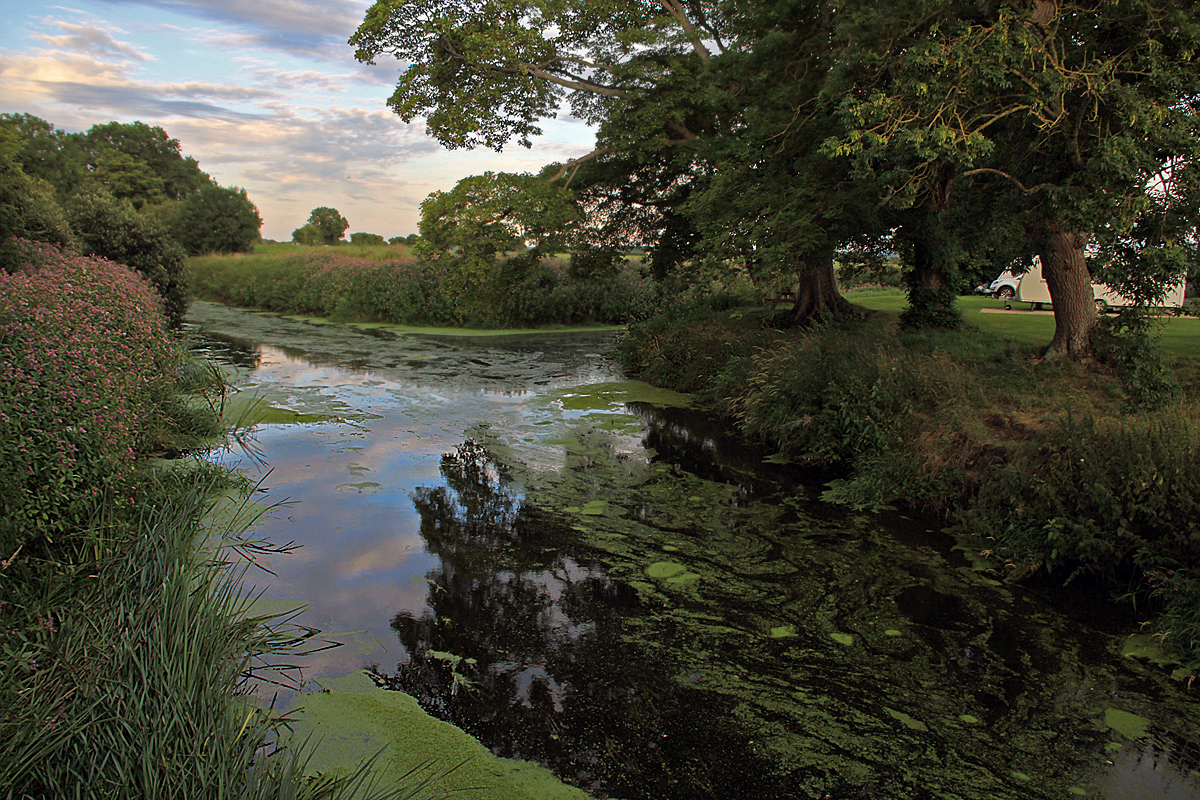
x=84 y=347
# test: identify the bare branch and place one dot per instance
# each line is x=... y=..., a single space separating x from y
x=676 y=10
x=1002 y=174
x=573 y=165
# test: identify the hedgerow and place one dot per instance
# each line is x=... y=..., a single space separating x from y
x=412 y=291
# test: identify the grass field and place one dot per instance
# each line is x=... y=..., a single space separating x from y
x=1180 y=336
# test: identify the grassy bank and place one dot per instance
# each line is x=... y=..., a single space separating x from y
x=126 y=640
x=383 y=285
x=1046 y=465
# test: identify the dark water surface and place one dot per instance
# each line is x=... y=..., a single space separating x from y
x=579 y=571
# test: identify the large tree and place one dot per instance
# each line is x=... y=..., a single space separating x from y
x=150 y=147
x=217 y=219
x=45 y=152
x=484 y=216
x=486 y=72
x=1066 y=113
x=329 y=223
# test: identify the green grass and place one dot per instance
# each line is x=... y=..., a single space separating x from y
x=1180 y=336
x=378 y=252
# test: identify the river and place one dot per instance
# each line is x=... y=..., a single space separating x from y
x=584 y=572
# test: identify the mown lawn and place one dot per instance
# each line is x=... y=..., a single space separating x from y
x=1180 y=337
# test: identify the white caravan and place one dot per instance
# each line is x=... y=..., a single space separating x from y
x=1032 y=289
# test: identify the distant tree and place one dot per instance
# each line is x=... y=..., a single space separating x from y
x=396 y=240
x=151 y=146
x=27 y=211
x=412 y=239
x=366 y=239
x=308 y=235
x=111 y=228
x=330 y=223
x=217 y=219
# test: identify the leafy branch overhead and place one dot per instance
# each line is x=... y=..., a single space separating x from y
x=486 y=72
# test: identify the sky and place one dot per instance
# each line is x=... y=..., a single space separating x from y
x=265 y=94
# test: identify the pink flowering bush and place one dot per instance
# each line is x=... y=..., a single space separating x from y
x=84 y=354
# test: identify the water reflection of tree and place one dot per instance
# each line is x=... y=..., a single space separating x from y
x=537 y=654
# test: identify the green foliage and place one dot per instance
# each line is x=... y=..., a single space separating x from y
x=367 y=239
x=27 y=211
x=328 y=223
x=216 y=219
x=141 y=163
x=595 y=263
x=550 y=294
x=407 y=291
x=44 y=152
x=112 y=229
x=308 y=235
x=1116 y=496
x=484 y=216
x=1129 y=343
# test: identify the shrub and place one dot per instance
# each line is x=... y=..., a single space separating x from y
x=366 y=239
x=27 y=211
x=112 y=229
x=83 y=350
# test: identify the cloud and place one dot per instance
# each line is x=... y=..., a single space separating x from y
x=355 y=149
x=313 y=28
x=300 y=80
x=93 y=42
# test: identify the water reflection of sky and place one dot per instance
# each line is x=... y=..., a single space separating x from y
x=347 y=485
x=554 y=625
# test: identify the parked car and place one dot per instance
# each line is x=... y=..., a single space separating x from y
x=1003 y=288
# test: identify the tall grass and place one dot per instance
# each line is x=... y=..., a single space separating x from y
x=127 y=648
x=335 y=283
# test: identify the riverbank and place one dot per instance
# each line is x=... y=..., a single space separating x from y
x=127 y=641
x=351 y=285
x=1044 y=465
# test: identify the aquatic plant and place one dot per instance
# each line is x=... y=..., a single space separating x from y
x=1041 y=462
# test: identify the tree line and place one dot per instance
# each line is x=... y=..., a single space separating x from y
x=122 y=191
x=770 y=137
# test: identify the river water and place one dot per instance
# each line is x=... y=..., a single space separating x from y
x=582 y=571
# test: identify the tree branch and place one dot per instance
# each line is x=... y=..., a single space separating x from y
x=1005 y=175
x=573 y=165
x=676 y=10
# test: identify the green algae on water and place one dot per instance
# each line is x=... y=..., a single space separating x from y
x=353 y=720
x=665 y=569
x=1128 y=724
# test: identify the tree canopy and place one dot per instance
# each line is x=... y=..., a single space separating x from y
x=773 y=133
x=328 y=223
x=217 y=219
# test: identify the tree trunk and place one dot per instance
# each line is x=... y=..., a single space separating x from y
x=933 y=255
x=817 y=293
x=1069 y=281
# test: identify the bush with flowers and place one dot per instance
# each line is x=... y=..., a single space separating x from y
x=85 y=360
